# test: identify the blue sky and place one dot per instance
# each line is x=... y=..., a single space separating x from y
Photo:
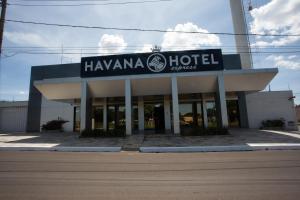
x=188 y=15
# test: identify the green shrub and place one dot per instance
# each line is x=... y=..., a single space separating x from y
x=198 y=131
x=278 y=123
x=102 y=133
x=54 y=125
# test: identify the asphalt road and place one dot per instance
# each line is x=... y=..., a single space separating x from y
x=237 y=175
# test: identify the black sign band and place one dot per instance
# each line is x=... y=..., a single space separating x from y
x=152 y=63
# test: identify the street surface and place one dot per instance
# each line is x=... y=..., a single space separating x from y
x=130 y=175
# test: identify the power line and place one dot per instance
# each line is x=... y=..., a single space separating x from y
x=25 y=52
x=142 y=45
x=61 y=0
x=149 y=30
x=103 y=53
x=226 y=49
x=87 y=4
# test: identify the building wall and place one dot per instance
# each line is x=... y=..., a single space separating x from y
x=35 y=97
x=270 y=105
x=13 y=116
x=52 y=110
x=298 y=112
x=231 y=61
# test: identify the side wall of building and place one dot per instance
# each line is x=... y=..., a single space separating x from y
x=13 y=117
x=271 y=105
x=35 y=97
x=52 y=110
x=298 y=112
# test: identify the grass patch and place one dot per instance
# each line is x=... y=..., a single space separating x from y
x=273 y=124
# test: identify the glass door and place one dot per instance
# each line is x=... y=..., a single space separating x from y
x=154 y=116
x=97 y=117
x=149 y=116
x=233 y=113
x=116 y=117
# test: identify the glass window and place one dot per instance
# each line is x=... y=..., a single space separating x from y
x=116 y=116
x=199 y=115
x=149 y=116
x=121 y=116
x=186 y=114
x=211 y=114
x=135 y=117
x=233 y=113
x=77 y=118
x=98 y=117
x=111 y=117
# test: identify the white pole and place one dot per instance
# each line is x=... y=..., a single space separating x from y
x=176 y=120
x=240 y=27
x=128 y=107
x=141 y=113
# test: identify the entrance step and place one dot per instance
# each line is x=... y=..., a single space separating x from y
x=133 y=143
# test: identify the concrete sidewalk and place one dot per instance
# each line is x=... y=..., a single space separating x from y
x=64 y=141
x=237 y=140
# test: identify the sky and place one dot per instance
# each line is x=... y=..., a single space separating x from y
x=27 y=45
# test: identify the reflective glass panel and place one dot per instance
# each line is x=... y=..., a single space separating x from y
x=186 y=114
x=211 y=114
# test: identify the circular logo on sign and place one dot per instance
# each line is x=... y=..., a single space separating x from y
x=156 y=62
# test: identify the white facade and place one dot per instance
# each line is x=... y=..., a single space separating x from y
x=52 y=110
x=260 y=106
x=271 y=105
x=13 y=116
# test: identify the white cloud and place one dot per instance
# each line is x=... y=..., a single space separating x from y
x=276 y=17
x=288 y=62
x=186 y=41
x=21 y=38
x=111 y=44
x=145 y=48
x=21 y=92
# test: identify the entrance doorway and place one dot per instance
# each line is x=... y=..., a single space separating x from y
x=159 y=117
x=154 y=117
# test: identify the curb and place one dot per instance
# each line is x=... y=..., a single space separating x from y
x=284 y=146
x=194 y=149
x=187 y=149
x=63 y=149
x=218 y=148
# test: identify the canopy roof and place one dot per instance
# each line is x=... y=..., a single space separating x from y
x=157 y=84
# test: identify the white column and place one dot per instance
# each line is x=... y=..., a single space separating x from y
x=141 y=113
x=93 y=123
x=205 y=120
x=176 y=121
x=128 y=107
x=83 y=105
x=222 y=101
x=105 y=114
x=240 y=27
x=167 y=112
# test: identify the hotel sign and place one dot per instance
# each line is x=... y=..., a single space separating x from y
x=152 y=63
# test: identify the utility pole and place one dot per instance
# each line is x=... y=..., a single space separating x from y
x=2 y=20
